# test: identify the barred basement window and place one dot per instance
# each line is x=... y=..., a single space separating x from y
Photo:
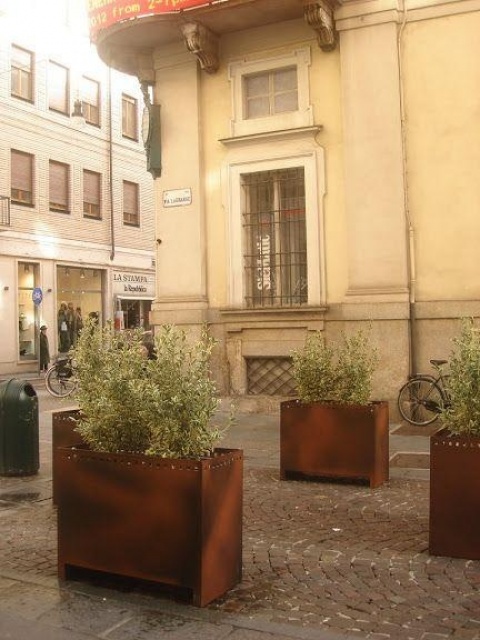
x=270 y=376
x=275 y=242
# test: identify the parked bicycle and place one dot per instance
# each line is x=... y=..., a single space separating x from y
x=60 y=379
x=424 y=397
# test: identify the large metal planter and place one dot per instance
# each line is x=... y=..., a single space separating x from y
x=454 y=496
x=175 y=522
x=323 y=441
x=63 y=435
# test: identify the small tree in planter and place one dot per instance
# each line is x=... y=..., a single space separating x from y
x=162 y=406
x=335 y=376
x=149 y=496
x=333 y=430
x=455 y=456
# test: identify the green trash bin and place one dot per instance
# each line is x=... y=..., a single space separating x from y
x=19 y=437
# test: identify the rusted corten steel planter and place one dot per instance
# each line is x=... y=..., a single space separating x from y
x=454 y=496
x=322 y=441
x=63 y=435
x=175 y=522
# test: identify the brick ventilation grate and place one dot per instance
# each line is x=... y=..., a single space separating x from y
x=270 y=376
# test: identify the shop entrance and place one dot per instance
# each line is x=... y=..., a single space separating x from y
x=80 y=290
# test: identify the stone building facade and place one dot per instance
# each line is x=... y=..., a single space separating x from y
x=76 y=200
x=319 y=171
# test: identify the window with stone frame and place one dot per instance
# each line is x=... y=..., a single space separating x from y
x=21 y=65
x=21 y=178
x=270 y=93
x=274 y=238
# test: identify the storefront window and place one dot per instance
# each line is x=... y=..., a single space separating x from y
x=27 y=312
x=136 y=313
x=79 y=290
x=133 y=293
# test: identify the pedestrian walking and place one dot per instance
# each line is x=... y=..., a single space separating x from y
x=44 y=349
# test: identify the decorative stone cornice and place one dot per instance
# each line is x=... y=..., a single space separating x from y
x=203 y=43
x=319 y=16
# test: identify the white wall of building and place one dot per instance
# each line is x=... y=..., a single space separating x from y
x=54 y=243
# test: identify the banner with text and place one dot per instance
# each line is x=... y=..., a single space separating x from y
x=104 y=13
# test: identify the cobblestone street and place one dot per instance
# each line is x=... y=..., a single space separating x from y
x=318 y=557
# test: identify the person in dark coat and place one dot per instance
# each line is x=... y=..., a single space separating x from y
x=63 y=329
x=44 y=349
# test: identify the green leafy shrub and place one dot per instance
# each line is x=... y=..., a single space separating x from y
x=463 y=415
x=342 y=375
x=129 y=403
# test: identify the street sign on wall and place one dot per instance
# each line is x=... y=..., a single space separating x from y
x=37 y=296
x=104 y=13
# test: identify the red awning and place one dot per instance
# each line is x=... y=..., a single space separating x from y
x=104 y=13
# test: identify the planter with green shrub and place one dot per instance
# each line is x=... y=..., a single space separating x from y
x=333 y=430
x=148 y=495
x=455 y=456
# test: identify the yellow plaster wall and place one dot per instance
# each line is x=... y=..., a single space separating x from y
x=441 y=63
x=216 y=108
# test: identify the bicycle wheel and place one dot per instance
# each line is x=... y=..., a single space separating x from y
x=420 y=401
x=59 y=385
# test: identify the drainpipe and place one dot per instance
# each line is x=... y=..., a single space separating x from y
x=110 y=164
x=411 y=272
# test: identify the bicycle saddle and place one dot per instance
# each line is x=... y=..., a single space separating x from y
x=438 y=363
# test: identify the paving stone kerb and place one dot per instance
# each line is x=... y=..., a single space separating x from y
x=319 y=556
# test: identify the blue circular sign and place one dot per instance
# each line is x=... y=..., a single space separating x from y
x=37 y=295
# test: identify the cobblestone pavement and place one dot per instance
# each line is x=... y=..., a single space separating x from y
x=318 y=558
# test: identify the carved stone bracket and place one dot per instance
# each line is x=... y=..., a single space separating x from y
x=203 y=43
x=319 y=16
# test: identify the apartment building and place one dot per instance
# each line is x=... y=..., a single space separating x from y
x=323 y=157
x=77 y=202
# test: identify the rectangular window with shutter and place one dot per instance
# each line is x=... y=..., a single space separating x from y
x=22 y=73
x=58 y=88
x=91 y=101
x=21 y=179
x=92 y=184
x=59 y=186
x=129 y=117
x=131 y=213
